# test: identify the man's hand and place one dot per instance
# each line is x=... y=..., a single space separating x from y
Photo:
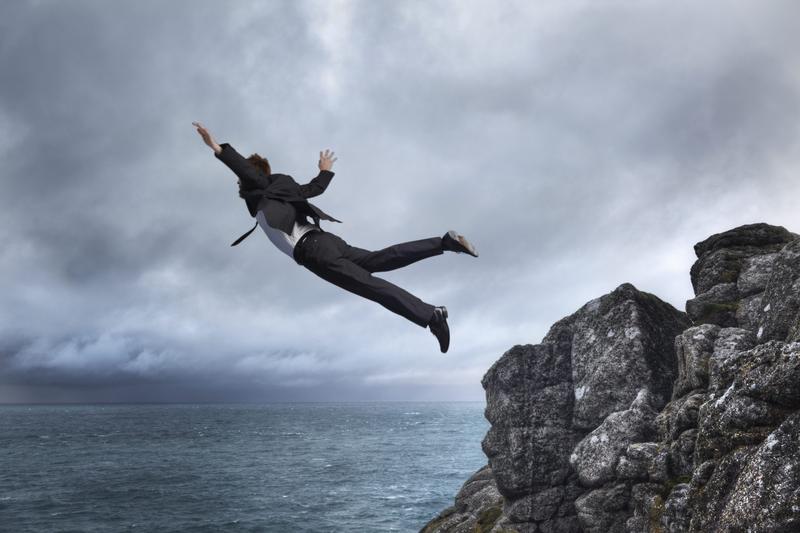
x=325 y=161
x=207 y=138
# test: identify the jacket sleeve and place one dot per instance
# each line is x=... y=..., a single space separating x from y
x=317 y=186
x=244 y=169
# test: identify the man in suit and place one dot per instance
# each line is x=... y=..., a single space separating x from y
x=280 y=206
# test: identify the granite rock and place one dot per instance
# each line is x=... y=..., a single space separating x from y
x=632 y=416
x=595 y=457
x=618 y=343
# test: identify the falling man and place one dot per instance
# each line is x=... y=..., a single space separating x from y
x=280 y=206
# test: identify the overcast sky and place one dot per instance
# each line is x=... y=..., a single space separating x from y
x=578 y=145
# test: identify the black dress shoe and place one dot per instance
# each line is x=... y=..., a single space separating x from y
x=458 y=243
x=438 y=326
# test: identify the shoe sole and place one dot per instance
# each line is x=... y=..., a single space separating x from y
x=460 y=239
x=444 y=314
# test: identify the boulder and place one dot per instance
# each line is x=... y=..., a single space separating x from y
x=730 y=346
x=595 y=457
x=619 y=343
x=766 y=493
x=529 y=405
x=780 y=305
x=603 y=510
x=718 y=305
x=721 y=257
x=693 y=349
x=748 y=277
x=478 y=504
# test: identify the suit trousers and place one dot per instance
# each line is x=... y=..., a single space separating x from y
x=328 y=256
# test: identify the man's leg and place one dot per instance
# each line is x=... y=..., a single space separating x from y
x=324 y=257
x=394 y=257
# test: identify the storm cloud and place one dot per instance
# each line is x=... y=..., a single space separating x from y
x=579 y=145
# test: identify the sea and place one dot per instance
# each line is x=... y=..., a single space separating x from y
x=279 y=467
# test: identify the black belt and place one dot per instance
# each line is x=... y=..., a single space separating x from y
x=298 y=245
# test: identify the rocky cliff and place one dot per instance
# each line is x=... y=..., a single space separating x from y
x=632 y=416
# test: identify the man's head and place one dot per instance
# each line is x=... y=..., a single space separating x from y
x=261 y=163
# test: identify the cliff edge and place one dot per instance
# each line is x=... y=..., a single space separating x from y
x=632 y=416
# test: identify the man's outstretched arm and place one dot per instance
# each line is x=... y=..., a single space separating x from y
x=318 y=185
x=240 y=166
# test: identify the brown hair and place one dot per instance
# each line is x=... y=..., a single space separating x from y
x=261 y=163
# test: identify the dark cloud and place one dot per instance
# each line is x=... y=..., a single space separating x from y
x=579 y=146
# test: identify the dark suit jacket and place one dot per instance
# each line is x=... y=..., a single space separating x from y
x=279 y=196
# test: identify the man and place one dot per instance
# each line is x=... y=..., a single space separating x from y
x=281 y=208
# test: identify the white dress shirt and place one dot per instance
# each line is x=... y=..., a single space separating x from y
x=283 y=241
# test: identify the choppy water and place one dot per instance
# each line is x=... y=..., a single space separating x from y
x=356 y=467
